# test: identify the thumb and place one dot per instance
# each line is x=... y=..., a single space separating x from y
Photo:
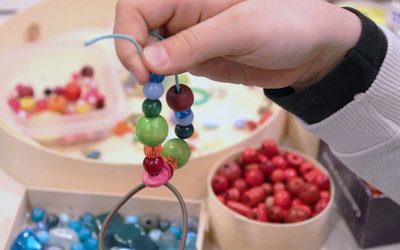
x=191 y=46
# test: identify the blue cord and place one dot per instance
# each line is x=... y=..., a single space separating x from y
x=139 y=49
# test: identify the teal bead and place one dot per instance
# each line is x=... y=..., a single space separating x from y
x=151 y=108
x=167 y=240
x=176 y=231
x=152 y=131
x=149 y=222
x=27 y=241
x=179 y=149
x=52 y=220
x=87 y=220
x=78 y=246
x=75 y=225
x=164 y=224
x=129 y=235
x=116 y=223
x=84 y=234
x=63 y=236
x=91 y=244
x=37 y=214
x=184 y=132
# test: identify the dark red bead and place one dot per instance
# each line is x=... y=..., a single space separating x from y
x=180 y=101
x=25 y=91
x=153 y=166
x=253 y=196
x=87 y=71
x=240 y=208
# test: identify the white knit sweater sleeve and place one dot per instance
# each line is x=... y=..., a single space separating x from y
x=364 y=134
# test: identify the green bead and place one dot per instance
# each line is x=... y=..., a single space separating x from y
x=152 y=131
x=179 y=149
x=151 y=108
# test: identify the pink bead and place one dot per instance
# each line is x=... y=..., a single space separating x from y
x=41 y=104
x=19 y=86
x=14 y=103
x=92 y=96
x=159 y=180
x=75 y=76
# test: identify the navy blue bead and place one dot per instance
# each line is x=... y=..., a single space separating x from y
x=156 y=78
x=51 y=220
x=183 y=114
x=184 y=132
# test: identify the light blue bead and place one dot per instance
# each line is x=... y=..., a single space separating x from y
x=131 y=219
x=167 y=240
x=155 y=234
x=84 y=234
x=76 y=225
x=183 y=114
x=27 y=241
x=185 y=121
x=87 y=220
x=64 y=219
x=94 y=154
x=43 y=236
x=193 y=224
x=37 y=214
x=240 y=122
x=91 y=244
x=177 y=223
x=191 y=239
x=156 y=78
x=210 y=124
x=63 y=236
x=153 y=91
x=41 y=226
x=176 y=231
x=78 y=246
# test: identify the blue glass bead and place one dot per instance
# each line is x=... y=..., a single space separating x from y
x=153 y=91
x=95 y=154
x=43 y=236
x=177 y=223
x=210 y=124
x=51 y=220
x=37 y=214
x=41 y=226
x=84 y=234
x=185 y=121
x=240 y=122
x=155 y=234
x=91 y=244
x=131 y=219
x=75 y=225
x=64 y=219
x=164 y=224
x=183 y=114
x=149 y=221
x=156 y=78
x=167 y=240
x=78 y=246
x=191 y=239
x=27 y=241
x=53 y=247
x=63 y=236
x=87 y=220
x=193 y=224
x=176 y=231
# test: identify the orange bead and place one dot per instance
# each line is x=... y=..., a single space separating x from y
x=121 y=128
x=153 y=152
x=195 y=135
x=172 y=163
x=57 y=103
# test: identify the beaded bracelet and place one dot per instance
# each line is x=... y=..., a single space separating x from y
x=160 y=162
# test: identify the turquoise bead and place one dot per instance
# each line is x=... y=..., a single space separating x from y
x=91 y=244
x=94 y=154
x=129 y=235
x=78 y=246
x=43 y=237
x=75 y=225
x=167 y=240
x=52 y=220
x=116 y=223
x=152 y=131
x=87 y=220
x=149 y=221
x=179 y=149
x=84 y=234
x=176 y=231
x=27 y=241
x=64 y=219
x=131 y=219
x=37 y=214
x=63 y=236
x=164 y=224
x=155 y=234
x=151 y=108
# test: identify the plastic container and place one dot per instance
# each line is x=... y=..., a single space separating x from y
x=50 y=64
x=232 y=231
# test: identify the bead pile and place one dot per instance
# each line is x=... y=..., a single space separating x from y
x=62 y=232
x=79 y=95
x=152 y=129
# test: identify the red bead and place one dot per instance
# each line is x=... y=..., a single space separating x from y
x=310 y=176
x=253 y=196
x=325 y=195
x=265 y=116
x=72 y=91
x=25 y=91
x=180 y=101
x=240 y=184
x=296 y=202
x=233 y=194
x=294 y=160
x=296 y=215
x=153 y=166
x=282 y=199
x=294 y=186
x=87 y=71
x=262 y=213
x=309 y=193
x=250 y=155
x=290 y=173
x=254 y=177
x=322 y=181
x=221 y=199
x=100 y=102
x=267 y=187
x=275 y=213
x=251 y=125
x=269 y=148
x=320 y=205
x=279 y=162
x=240 y=208
x=231 y=170
x=306 y=167
x=277 y=175
x=266 y=166
x=220 y=184
x=307 y=209
x=278 y=186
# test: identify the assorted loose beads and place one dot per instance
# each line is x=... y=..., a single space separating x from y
x=79 y=95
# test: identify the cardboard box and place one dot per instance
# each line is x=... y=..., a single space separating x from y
x=373 y=221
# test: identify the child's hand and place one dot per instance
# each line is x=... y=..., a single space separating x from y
x=267 y=43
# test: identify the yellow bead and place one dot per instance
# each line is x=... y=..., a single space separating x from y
x=27 y=103
x=82 y=108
